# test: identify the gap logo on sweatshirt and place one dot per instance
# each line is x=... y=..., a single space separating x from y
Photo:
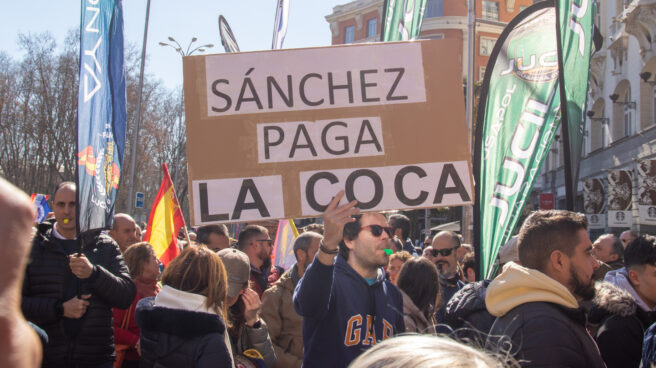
x=358 y=332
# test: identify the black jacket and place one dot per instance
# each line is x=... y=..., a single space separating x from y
x=467 y=314
x=623 y=324
x=449 y=288
x=545 y=334
x=539 y=321
x=43 y=288
x=180 y=338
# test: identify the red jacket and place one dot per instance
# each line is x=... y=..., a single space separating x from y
x=130 y=335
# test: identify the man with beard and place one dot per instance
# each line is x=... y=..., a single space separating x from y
x=625 y=305
x=346 y=303
x=537 y=303
x=277 y=306
x=254 y=240
x=444 y=252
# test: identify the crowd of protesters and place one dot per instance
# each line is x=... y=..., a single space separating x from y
x=557 y=300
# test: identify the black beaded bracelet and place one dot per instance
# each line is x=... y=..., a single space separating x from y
x=326 y=250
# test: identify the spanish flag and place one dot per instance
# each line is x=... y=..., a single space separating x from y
x=165 y=221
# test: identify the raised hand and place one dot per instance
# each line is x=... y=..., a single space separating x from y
x=334 y=220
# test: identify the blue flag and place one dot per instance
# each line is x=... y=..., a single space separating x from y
x=101 y=112
x=40 y=202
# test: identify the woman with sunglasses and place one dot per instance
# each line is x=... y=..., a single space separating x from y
x=420 y=287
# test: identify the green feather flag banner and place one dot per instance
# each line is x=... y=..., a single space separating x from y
x=517 y=120
x=402 y=19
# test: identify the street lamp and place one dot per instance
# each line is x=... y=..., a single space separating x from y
x=189 y=51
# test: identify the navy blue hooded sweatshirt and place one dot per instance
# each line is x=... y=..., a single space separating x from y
x=337 y=306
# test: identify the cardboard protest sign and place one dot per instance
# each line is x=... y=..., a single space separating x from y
x=275 y=134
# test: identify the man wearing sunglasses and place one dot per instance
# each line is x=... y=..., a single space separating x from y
x=444 y=252
x=254 y=240
x=346 y=304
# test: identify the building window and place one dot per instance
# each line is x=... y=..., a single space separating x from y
x=486 y=46
x=628 y=115
x=490 y=10
x=605 y=133
x=371 y=27
x=434 y=8
x=349 y=34
x=481 y=73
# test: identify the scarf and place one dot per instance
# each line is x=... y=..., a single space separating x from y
x=146 y=287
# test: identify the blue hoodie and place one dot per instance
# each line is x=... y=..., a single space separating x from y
x=337 y=305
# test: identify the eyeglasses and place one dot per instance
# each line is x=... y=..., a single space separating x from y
x=268 y=241
x=377 y=230
x=443 y=252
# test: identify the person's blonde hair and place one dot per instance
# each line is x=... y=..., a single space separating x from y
x=136 y=256
x=402 y=256
x=200 y=271
x=424 y=351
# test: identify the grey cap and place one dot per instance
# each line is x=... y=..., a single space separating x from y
x=238 y=268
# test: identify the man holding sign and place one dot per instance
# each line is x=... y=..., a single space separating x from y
x=346 y=303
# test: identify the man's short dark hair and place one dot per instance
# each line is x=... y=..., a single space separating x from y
x=468 y=261
x=304 y=240
x=544 y=232
x=402 y=222
x=203 y=233
x=248 y=233
x=640 y=252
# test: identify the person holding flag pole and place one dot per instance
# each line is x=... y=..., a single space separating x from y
x=77 y=273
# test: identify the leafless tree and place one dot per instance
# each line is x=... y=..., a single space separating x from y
x=38 y=117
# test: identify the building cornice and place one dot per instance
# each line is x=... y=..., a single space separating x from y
x=352 y=9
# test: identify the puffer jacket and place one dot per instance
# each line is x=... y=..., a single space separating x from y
x=467 y=314
x=110 y=287
x=540 y=320
x=623 y=324
x=180 y=338
x=285 y=325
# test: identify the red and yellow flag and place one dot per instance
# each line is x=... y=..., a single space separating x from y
x=165 y=221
